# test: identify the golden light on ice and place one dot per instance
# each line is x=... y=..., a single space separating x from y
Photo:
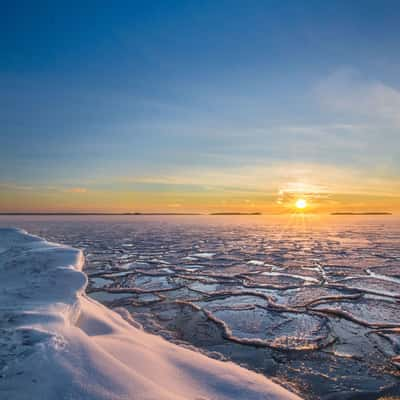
x=301 y=204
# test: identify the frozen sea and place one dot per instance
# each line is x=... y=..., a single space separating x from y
x=313 y=302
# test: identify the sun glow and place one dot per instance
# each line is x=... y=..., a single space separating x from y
x=301 y=204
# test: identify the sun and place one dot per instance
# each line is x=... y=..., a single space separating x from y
x=301 y=204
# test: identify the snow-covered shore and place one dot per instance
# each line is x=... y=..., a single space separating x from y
x=56 y=343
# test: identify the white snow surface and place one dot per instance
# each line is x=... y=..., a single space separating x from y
x=56 y=343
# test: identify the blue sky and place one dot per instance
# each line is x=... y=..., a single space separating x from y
x=256 y=95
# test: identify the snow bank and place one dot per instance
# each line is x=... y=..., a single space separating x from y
x=56 y=343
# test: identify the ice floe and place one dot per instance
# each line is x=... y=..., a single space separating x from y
x=58 y=343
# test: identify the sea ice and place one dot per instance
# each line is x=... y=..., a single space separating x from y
x=55 y=342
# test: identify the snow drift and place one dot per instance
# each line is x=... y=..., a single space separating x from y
x=56 y=343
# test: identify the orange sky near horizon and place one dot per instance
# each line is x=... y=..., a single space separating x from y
x=85 y=200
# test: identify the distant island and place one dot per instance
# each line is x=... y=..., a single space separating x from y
x=235 y=213
x=92 y=213
x=361 y=213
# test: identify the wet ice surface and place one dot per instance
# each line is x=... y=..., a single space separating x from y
x=315 y=305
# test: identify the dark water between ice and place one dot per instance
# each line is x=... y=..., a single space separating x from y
x=313 y=303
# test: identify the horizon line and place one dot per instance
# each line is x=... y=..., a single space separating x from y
x=187 y=214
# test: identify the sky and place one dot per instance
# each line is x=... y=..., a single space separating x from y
x=199 y=106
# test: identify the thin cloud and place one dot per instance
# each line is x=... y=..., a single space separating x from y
x=346 y=91
x=292 y=190
x=14 y=186
x=76 y=190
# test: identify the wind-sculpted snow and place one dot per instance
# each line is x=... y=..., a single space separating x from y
x=55 y=343
x=316 y=306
